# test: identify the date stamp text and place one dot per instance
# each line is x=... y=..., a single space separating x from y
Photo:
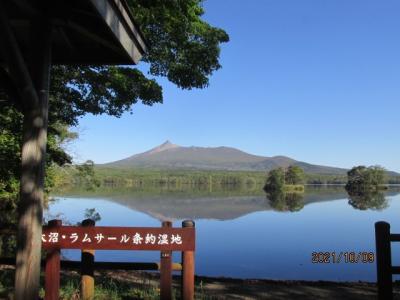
x=348 y=257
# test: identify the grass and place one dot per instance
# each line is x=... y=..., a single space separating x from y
x=106 y=287
x=299 y=188
x=143 y=285
x=116 y=285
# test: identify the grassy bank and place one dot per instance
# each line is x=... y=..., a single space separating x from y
x=293 y=188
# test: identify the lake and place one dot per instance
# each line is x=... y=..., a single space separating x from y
x=244 y=234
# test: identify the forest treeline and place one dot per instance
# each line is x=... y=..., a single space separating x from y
x=91 y=177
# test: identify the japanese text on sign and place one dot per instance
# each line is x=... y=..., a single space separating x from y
x=161 y=239
x=118 y=238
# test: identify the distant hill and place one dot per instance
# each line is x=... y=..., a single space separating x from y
x=171 y=156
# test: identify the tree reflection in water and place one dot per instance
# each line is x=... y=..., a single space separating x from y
x=283 y=201
x=364 y=200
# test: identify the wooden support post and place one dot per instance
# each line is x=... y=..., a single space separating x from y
x=33 y=159
x=33 y=85
x=187 y=292
x=87 y=268
x=166 y=271
x=52 y=269
x=383 y=261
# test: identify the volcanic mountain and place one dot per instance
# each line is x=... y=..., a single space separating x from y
x=171 y=156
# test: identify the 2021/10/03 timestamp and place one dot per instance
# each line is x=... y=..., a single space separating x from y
x=351 y=257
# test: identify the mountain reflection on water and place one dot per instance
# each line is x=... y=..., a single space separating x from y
x=259 y=236
x=165 y=204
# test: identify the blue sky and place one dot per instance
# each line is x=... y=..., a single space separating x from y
x=314 y=80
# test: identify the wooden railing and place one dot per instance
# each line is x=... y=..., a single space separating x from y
x=385 y=270
x=89 y=238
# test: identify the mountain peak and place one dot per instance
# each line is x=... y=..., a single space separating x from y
x=164 y=146
x=166 y=143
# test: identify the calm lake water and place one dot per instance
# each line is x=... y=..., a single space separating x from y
x=245 y=234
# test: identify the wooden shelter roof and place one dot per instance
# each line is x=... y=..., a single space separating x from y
x=85 y=31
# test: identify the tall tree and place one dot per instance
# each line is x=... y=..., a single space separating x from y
x=361 y=178
x=294 y=175
x=275 y=180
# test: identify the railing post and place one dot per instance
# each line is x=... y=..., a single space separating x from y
x=87 y=268
x=166 y=270
x=383 y=261
x=187 y=292
x=52 y=269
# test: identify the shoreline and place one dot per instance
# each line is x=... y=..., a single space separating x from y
x=237 y=288
x=145 y=285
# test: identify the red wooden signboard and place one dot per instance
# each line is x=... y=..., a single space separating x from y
x=89 y=237
x=119 y=238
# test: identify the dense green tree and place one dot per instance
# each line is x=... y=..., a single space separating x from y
x=294 y=175
x=183 y=47
x=275 y=180
x=86 y=176
x=363 y=185
x=278 y=178
x=10 y=150
x=363 y=178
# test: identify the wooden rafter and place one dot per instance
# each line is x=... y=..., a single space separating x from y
x=16 y=63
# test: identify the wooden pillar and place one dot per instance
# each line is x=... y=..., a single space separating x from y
x=52 y=272
x=87 y=268
x=166 y=270
x=383 y=261
x=33 y=88
x=187 y=269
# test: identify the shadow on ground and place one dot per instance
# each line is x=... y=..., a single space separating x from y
x=126 y=285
